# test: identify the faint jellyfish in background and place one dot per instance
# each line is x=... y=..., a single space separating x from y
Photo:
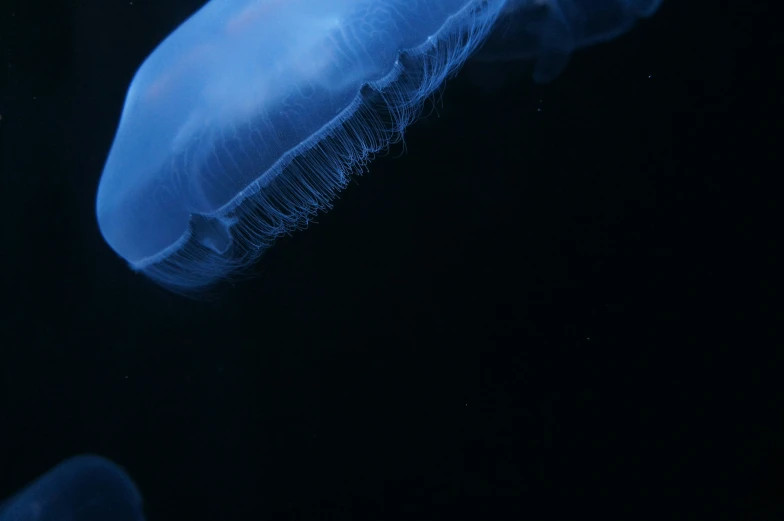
x=82 y=488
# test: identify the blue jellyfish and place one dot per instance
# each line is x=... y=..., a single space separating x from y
x=83 y=488
x=253 y=114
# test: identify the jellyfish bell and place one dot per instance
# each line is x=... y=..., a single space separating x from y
x=252 y=115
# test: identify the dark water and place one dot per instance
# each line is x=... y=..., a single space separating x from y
x=557 y=301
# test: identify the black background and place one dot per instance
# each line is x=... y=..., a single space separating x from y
x=557 y=301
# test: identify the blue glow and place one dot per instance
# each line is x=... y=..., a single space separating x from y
x=84 y=488
x=253 y=114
